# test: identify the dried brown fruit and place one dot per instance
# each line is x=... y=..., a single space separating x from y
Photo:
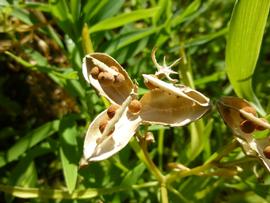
x=106 y=78
x=111 y=110
x=95 y=72
x=135 y=106
x=266 y=152
x=149 y=85
x=261 y=128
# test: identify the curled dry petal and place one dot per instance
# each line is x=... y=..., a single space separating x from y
x=233 y=110
x=118 y=90
x=97 y=147
x=170 y=105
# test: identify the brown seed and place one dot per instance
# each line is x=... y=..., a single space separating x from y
x=247 y=126
x=106 y=78
x=111 y=110
x=248 y=109
x=114 y=68
x=119 y=79
x=135 y=106
x=102 y=125
x=266 y=152
x=94 y=72
x=261 y=128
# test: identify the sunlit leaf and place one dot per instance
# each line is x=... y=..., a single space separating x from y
x=243 y=45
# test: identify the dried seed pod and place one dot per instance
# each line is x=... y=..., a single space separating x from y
x=135 y=106
x=247 y=126
x=97 y=148
x=161 y=107
x=111 y=110
x=106 y=78
x=119 y=79
x=260 y=127
x=115 y=93
x=94 y=72
x=266 y=152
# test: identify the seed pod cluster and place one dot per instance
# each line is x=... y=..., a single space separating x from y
x=106 y=78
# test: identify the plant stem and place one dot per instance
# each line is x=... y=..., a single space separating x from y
x=155 y=171
x=207 y=165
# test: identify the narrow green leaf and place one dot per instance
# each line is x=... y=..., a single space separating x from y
x=243 y=45
x=133 y=175
x=123 y=19
x=63 y=194
x=30 y=140
x=68 y=151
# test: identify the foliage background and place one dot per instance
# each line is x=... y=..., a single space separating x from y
x=46 y=106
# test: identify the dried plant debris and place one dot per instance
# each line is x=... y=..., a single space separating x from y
x=242 y=118
x=164 y=104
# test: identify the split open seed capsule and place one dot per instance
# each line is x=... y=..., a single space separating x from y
x=135 y=106
x=247 y=126
x=106 y=78
x=266 y=152
x=95 y=72
x=111 y=110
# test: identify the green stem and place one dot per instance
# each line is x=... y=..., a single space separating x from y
x=155 y=171
x=207 y=165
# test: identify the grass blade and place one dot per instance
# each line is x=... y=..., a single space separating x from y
x=123 y=19
x=243 y=46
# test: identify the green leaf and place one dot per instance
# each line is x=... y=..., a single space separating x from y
x=68 y=151
x=123 y=19
x=30 y=140
x=243 y=45
x=133 y=175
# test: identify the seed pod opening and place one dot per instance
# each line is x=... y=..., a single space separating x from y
x=97 y=148
x=115 y=92
x=135 y=106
